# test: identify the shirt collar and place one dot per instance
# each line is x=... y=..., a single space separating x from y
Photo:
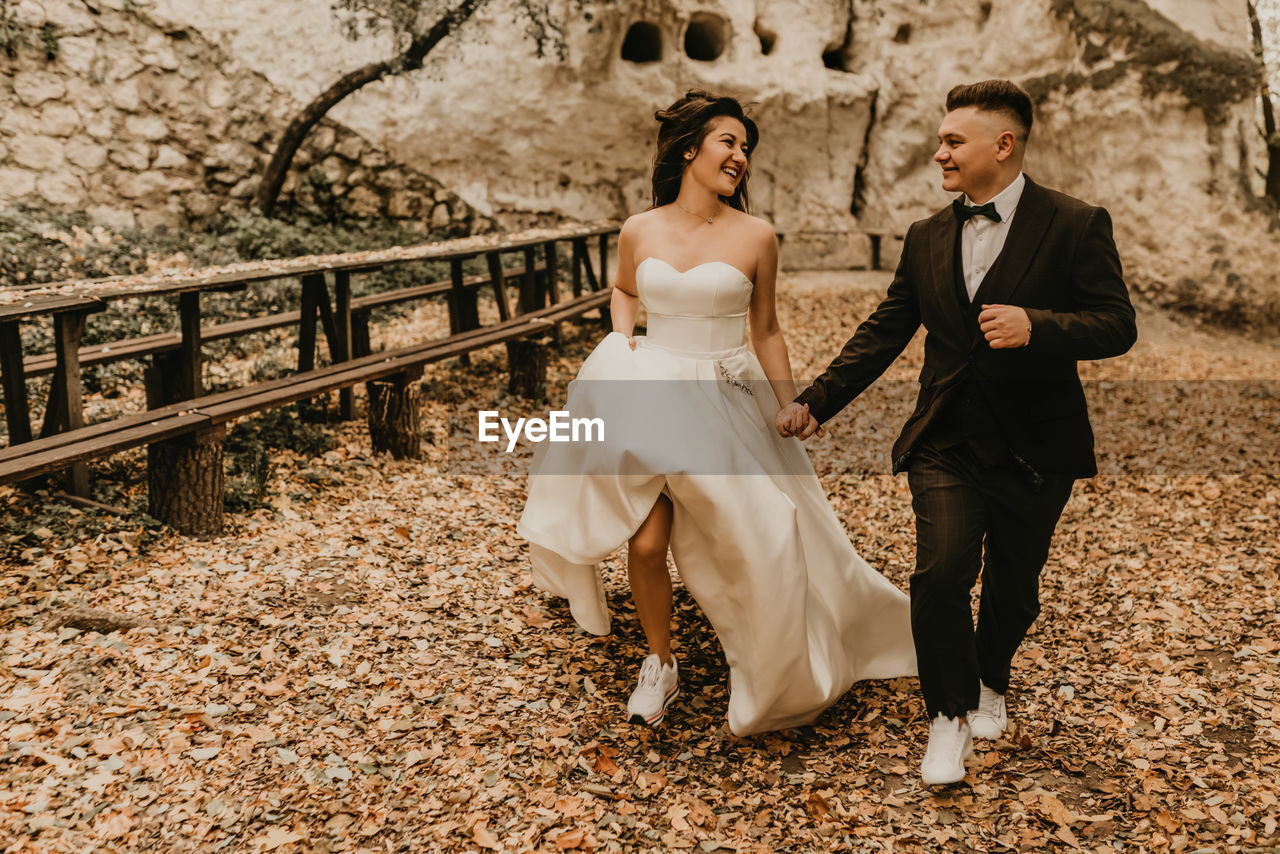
x=1006 y=201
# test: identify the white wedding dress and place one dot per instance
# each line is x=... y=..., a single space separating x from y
x=689 y=413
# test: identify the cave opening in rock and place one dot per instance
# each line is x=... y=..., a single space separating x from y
x=903 y=34
x=768 y=38
x=836 y=56
x=643 y=43
x=706 y=37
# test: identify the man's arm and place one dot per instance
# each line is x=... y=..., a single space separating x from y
x=877 y=341
x=1104 y=325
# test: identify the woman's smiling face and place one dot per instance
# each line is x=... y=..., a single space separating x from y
x=721 y=159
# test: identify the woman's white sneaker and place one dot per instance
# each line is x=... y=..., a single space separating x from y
x=657 y=685
x=950 y=744
x=990 y=719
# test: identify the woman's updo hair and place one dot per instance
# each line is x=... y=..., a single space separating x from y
x=682 y=127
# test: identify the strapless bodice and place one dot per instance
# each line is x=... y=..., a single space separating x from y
x=700 y=310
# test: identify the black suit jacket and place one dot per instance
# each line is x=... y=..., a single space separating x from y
x=1059 y=262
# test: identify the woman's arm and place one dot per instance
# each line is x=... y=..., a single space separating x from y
x=766 y=334
x=624 y=305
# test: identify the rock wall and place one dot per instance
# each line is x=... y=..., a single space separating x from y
x=142 y=124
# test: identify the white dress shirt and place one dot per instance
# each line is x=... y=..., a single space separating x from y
x=981 y=239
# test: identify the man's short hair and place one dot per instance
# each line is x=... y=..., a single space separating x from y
x=996 y=96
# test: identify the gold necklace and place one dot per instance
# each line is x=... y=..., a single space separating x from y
x=710 y=219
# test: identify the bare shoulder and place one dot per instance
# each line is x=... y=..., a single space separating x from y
x=756 y=229
x=637 y=224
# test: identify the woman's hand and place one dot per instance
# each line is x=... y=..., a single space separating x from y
x=794 y=419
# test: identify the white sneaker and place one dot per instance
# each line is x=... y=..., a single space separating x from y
x=657 y=685
x=950 y=744
x=990 y=719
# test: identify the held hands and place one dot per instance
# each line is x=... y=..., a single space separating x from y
x=794 y=419
x=1005 y=326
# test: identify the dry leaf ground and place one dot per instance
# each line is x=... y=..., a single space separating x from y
x=362 y=664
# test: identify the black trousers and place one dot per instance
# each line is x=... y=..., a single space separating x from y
x=972 y=518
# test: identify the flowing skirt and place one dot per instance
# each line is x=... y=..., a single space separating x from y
x=799 y=614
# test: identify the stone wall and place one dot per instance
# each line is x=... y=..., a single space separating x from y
x=1145 y=107
x=142 y=124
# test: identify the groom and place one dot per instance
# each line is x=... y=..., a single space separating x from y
x=1014 y=284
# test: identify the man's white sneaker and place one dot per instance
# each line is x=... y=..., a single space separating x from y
x=950 y=743
x=990 y=719
x=657 y=685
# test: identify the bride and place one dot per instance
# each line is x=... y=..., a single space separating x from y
x=692 y=462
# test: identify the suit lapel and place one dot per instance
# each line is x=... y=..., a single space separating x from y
x=1030 y=221
x=942 y=261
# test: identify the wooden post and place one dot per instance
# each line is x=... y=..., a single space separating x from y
x=314 y=308
x=605 y=313
x=341 y=348
x=310 y=311
x=17 y=411
x=604 y=260
x=66 y=393
x=395 y=423
x=584 y=258
x=464 y=314
x=185 y=482
x=551 y=290
x=530 y=296
x=577 y=247
x=190 y=382
x=527 y=365
x=499 y=288
x=361 y=345
x=875 y=251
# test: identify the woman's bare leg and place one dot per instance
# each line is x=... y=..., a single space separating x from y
x=650 y=581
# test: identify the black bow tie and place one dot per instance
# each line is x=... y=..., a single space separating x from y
x=966 y=212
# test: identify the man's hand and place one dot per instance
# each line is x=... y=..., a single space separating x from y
x=1005 y=326
x=794 y=419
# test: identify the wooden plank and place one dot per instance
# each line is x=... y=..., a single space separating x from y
x=75 y=453
x=17 y=410
x=40 y=298
x=499 y=285
x=51 y=304
x=131 y=348
x=341 y=352
x=190 y=380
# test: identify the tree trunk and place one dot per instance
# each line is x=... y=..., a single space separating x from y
x=395 y=424
x=277 y=170
x=185 y=482
x=1269 y=133
x=527 y=362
